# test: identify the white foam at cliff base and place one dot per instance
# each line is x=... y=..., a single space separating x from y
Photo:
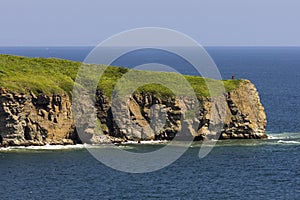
x=288 y=142
x=146 y=142
x=280 y=136
x=45 y=147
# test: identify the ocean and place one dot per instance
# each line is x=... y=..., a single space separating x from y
x=240 y=169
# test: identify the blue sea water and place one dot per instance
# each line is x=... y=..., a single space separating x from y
x=267 y=169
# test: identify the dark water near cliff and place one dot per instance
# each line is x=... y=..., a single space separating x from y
x=267 y=169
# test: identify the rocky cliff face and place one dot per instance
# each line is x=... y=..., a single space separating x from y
x=39 y=120
x=247 y=118
x=149 y=117
x=35 y=120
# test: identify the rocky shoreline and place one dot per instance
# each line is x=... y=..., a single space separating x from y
x=29 y=119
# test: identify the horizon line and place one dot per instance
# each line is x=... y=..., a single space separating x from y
x=91 y=46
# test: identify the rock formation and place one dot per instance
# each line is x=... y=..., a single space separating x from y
x=28 y=119
x=35 y=120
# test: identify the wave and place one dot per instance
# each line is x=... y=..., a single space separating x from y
x=78 y=146
x=146 y=142
x=45 y=147
x=288 y=142
x=292 y=138
x=284 y=135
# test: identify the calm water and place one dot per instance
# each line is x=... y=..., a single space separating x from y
x=252 y=170
x=268 y=169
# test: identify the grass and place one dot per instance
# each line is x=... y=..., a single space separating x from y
x=57 y=76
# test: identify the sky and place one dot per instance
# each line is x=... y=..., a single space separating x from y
x=209 y=22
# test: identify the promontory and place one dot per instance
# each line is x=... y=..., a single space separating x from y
x=36 y=107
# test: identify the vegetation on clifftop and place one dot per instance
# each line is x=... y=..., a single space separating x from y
x=56 y=76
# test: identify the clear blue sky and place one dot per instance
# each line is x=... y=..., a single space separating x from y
x=210 y=22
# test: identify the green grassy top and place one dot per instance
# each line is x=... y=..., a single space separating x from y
x=57 y=76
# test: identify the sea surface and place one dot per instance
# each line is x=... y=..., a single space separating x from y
x=251 y=169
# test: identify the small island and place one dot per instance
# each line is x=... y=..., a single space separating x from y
x=36 y=106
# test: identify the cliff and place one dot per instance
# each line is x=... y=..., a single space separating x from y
x=27 y=119
x=35 y=120
x=33 y=114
